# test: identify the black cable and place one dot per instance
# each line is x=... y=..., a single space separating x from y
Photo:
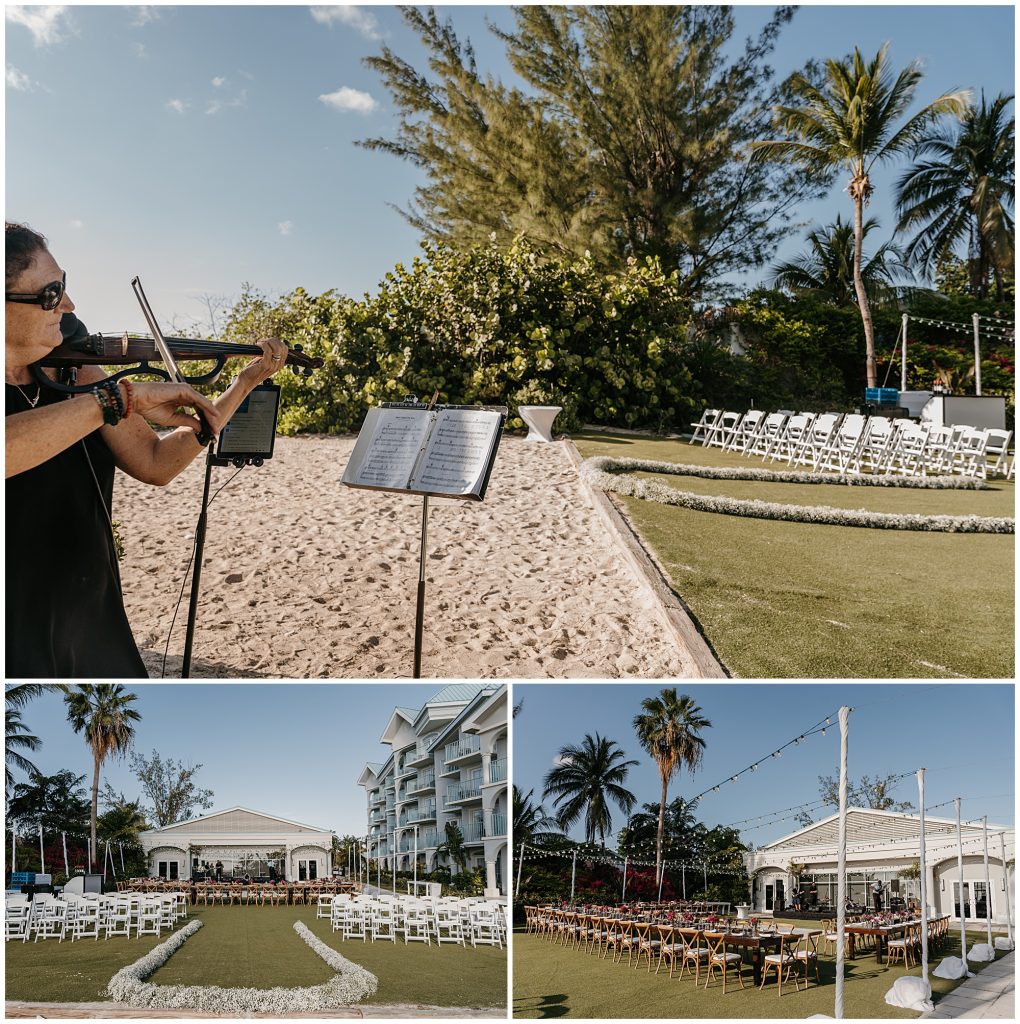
x=184 y=580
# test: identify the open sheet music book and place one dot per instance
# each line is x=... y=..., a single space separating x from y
x=446 y=451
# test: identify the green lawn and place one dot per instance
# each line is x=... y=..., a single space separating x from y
x=797 y=600
x=557 y=981
x=258 y=947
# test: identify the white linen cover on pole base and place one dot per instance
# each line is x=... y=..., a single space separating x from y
x=1003 y=942
x=952 y=968
x=910 y=994
x=981 y=953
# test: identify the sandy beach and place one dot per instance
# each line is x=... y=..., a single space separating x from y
x=306 y=578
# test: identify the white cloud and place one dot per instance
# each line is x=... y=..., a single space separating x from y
x=346 y=98
x=48 y=25
x=285 y=227
x=18 y=80
x=179 y=105
x=215 y=106
x=77 y=223
x=218 y=81
x=144 y=13
x=140 y=51
x=344 y=14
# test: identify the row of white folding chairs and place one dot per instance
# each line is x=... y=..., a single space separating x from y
x=419 y=920
x=90 y=915
x=854 y=443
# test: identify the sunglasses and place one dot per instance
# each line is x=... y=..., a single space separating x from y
x=49 y=297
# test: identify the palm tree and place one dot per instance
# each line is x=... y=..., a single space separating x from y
x=826 y=270
x=584 y=782
x=17 y=738
x=103 y=712
x=453 y=846
x=850 y=122
x=530 y=820
x=963 y=195
x=668 y=729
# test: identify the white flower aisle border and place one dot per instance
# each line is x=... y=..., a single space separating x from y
x=351 y=985
x=606 y=474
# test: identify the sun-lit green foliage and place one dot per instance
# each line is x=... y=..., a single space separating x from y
x=488 y=325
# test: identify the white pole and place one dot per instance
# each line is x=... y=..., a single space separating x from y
x=378 y=866
x=662 y=875
x=844 y=727
x=415 y=861
x=88 y=851
x=573 y=874
x=113 y=865
x=393 y=862
x=623 y=893
x=683 y=879
x=988 y=885
x=1005 y=886
x=520 y=867
x=123 y=870
x=924 y=882
x=903 y=357
x=14 y=849
x=704 y=871
x=42 y=854
x=67 y=867
x=977 y=355
x=959 y=864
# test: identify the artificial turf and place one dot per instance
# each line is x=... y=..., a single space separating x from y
x=258 y=947
x=798 y=600
x=558 y=981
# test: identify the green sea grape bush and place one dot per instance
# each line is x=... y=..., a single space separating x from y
x=490 y=325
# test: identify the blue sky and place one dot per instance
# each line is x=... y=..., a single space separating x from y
x=962 y=733
x=289 y=749
x=204 y=147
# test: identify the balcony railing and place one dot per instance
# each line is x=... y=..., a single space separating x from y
x=497 y=825
x=427 y=780
x=497 y=770
x=471 y=790
x=417 y=754
x=463 y=747
x=472 y=832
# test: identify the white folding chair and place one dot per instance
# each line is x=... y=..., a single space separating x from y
x=720 y=432
x=354 y=921
x=791 y=437
x=16 y=919
x=150 y=918
x=118 y=918
x=324 y=906
x=52 y=921
x=417 y=923
x=746 y=431
x=704 y=425
x=85 y=924
x=996 y=452
x=767 y=436
x=816 y=438
x=380 y=922
x=338 y=914
x=843 y=444
x=485 y=927
x=448 y=925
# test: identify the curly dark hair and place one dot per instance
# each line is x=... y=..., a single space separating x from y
x=22 y=244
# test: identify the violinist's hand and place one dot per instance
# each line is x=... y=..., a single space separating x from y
x=273 y=358
x=162 y=404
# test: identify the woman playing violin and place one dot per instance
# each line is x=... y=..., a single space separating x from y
x=65 y=614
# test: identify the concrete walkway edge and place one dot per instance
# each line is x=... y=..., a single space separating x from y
x=989 y=995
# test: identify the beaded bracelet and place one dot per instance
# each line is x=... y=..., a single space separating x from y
x=108 y=396
x=129 y=395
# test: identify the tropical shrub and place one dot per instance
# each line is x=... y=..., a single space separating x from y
x=488 y=325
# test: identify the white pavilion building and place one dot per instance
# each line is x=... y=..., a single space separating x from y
x=884 y=846
x=243 y=841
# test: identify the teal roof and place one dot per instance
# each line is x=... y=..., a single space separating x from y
x=411 y=712
x=457 y=692
x=374 y=765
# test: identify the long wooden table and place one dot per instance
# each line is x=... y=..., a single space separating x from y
x=882 y=934
x=758 y=945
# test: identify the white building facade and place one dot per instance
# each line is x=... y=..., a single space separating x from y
x=244 y=842
x=448 y=764
x=884 y=846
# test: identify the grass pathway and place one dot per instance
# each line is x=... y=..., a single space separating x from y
x=795 y=600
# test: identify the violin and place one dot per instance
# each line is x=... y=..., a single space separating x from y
x=139 y=352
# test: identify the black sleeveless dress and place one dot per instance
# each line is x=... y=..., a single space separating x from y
x=64 y=611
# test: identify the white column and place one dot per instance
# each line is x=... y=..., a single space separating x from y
x=844 y=728
x=1005 y=888
x=963 y=905
x=573 y=874
x=977 y=354
x=924 y=880
x=988 y=884
x=903 y=356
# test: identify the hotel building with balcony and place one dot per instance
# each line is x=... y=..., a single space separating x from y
x=447 y=764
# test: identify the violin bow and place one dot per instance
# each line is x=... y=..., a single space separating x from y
x=205 y=436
